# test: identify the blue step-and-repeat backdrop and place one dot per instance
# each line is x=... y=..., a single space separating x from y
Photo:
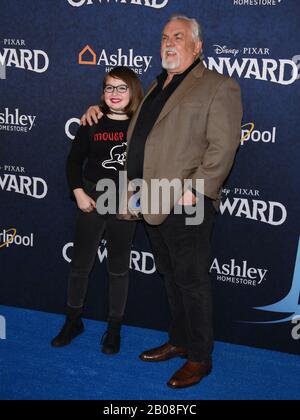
x=53 y=56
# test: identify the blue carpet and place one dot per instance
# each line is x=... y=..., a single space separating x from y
x=32 y=370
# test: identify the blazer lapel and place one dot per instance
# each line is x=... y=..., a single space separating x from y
x=183 y=89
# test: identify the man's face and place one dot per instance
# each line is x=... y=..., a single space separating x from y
x=178 y=48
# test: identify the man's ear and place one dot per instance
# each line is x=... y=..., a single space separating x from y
x=198 y=47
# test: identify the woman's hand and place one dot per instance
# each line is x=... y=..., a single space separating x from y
x=91 y=116
x=84 y=202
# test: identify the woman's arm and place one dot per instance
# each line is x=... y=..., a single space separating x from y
x=84 y=202
x=78 y=154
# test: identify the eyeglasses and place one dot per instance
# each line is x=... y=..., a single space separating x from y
x=119 y=89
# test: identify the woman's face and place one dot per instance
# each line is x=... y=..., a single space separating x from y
x=116 y=94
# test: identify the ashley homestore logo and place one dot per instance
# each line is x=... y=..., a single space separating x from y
x=14 y=120
x=257 y=2
x=241 y=274
x=155 y=4
x=139 y=63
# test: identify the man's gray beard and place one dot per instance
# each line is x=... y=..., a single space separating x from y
x=170 y=66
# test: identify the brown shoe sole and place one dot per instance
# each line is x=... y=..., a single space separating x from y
x=189 y=385
x=181 y=356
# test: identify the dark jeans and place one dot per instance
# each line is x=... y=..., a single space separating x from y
x=89 y=231
x=182 y=255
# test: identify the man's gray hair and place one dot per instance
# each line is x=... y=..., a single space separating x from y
x=196 y=27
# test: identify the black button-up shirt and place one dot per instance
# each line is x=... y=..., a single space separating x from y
x=149 y=113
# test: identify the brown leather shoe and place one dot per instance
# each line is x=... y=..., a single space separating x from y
x=191 y=373
x=165 y=352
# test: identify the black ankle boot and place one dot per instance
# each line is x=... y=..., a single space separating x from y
x=111 y=339
x=72 y=328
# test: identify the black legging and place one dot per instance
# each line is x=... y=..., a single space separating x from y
x=89 y=231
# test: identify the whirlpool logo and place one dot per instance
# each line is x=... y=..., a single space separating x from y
x=10 y=237
x=250 y=134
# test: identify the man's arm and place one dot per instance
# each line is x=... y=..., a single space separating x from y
x=91 y=116
x=223 y=136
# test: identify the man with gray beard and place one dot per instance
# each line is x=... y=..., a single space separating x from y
x=187 y=127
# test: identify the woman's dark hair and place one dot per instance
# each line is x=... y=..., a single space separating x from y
x=135 y=89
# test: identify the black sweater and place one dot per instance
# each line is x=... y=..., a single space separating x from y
x=102 y=147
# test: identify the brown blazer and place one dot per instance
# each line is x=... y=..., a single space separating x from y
x=196 y=136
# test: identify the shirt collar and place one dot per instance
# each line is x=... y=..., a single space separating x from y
x=163 y=76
